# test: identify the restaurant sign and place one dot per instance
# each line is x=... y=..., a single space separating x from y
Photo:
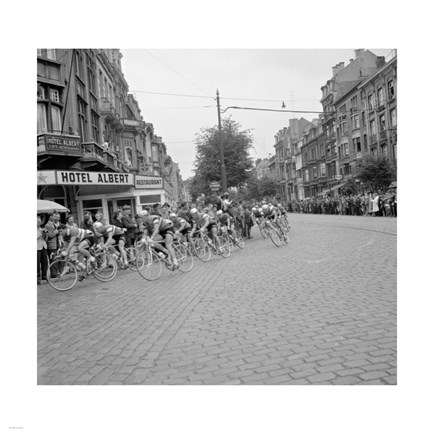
x=60 y=143
x=148 y=182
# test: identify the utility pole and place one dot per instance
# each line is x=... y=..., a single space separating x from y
x=221 y=148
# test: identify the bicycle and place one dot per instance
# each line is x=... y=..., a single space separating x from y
x=63 y=272
x=225 y=246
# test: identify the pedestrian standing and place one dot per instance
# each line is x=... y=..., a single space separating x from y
x=42 y=256
x=53 y=241
x=130 y=224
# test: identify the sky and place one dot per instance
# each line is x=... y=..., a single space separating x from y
x=258 y=78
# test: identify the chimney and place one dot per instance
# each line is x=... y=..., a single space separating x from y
x=351 y=60
x=337 y=68
x=358 y=52
x=380 y=62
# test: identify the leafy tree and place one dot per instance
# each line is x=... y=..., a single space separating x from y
x=238 y=163
x=376 y=172
x=350 y=187
x=258 y=189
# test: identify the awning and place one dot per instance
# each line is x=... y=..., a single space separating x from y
x=46 y=206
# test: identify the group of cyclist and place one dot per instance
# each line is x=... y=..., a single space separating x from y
x=158 y=225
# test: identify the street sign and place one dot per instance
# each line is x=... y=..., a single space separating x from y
x=214 y=186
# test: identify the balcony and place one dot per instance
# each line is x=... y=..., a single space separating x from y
x=95 y=156
x=108 y=110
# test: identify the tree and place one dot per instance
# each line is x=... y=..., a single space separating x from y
x=376 y=172
x=258 y=189
x=238 y=163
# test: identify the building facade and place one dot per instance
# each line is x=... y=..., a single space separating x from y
x=359 y=118
x=94 y=150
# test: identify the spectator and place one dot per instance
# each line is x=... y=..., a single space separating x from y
x=130 y=224
x=248 y=222
x=53 y=240
x=70 y=222
x=42 y=256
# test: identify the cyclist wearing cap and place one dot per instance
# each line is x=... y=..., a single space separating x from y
x=112 y=235
x=154 y=226
x=224 y=219
x=181 y=227
x=78 y=237
x=203 y=221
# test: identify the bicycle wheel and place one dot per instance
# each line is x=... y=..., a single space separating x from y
x=226 y=247
x=263 y=231
x=274 y=237
x=132 y=253
x=149 y=264
x=202 y=249
x=105 y=267
x=62 y=274
x=184 y=257
x=239 y=240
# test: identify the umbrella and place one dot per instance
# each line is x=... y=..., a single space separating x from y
x=45 y=206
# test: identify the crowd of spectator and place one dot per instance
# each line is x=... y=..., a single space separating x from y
x=367 y=204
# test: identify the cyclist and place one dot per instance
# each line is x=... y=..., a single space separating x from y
x=155 y=225
x=224 y=220
x=181 y=227
x=203 y=222
x=112 y=235
x=76 y=237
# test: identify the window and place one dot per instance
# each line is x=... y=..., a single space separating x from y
x=323 y=169
x=371 y=101
x=373 y=127
x=315 y=172
x=365 y=143
x=343 y=129
x=82 y=118
x=321 y=150
x=95 y=126
x=47 y=53
x=42 y=122
x=40 y=92
x=49 y=111
x=384 y=150
x=354 y=101
x=390 y=89
x=79 y=64
x=346 y=149
x=91 y=74
x=306 y=175
x=356 y=145
x=314 y=154
x=382 y=123
x=54 y=95
x=363 y=118
x=380 y=97
x=355 y=121
x=56 y=118
x=343 y=108
x=393 y=120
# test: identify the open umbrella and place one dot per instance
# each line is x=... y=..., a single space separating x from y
x=45 y=206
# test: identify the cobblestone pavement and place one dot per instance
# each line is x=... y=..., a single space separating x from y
x=321 y=310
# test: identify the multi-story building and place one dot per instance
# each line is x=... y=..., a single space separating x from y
x=360 y=118
x=95 y=151
x=285 y=147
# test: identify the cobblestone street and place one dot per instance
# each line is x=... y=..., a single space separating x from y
x=321 y=310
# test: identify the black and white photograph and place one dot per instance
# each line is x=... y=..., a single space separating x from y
x=219 y=242
x=191 y=238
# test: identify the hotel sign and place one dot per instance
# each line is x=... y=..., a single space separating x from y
x=147 y=182
x=94 y=178
x=61 y=143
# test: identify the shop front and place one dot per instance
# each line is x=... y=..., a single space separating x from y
x=104 y=192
